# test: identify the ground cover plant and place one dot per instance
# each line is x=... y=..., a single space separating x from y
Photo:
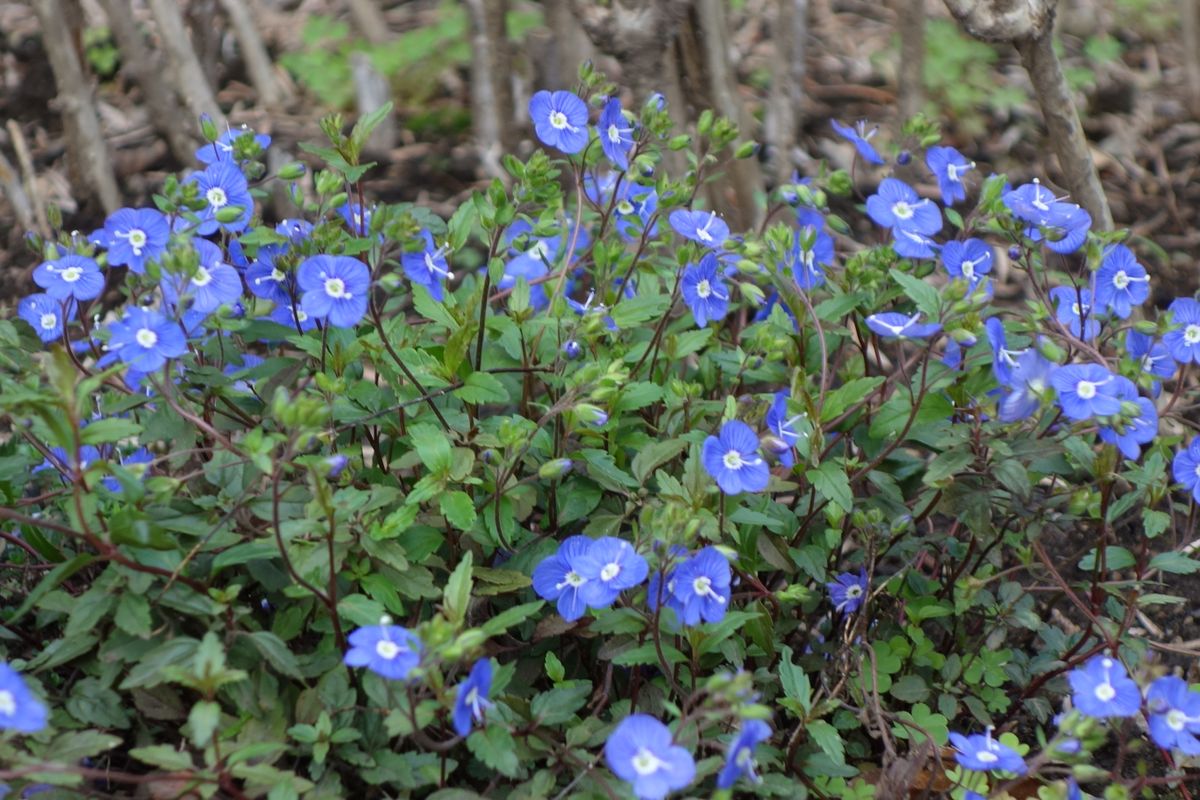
x=580 y=493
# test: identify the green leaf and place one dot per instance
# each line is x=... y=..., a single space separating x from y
x=1115 y=558
x=149 y=671
x=257 y=550
x=52 y=580
x=432 y=446
x=511 y=616
x=494 y=746
x=847 y=395
x=163 y=756
x=458 y=590
x=946 y=466
x=133 y=615
x=109 y=429
x=560 y=703
x=794 y=680
x=654 y=455
x=892 y=416
x=604 y=470
x=481 y=387
x=1175 y=563
x=831 y=481
x=360 y=609
x=638 y=395
x=203 y=720
x=458 y=509
x=275 y=652
x=910 y=689
x=921 y=293
x=828 y=738
x=70 y=748
x=554 y=668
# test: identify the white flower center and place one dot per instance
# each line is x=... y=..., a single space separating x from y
x=733 y=460
x=1120 y=280
x=216 y=197
x=952 y=172
x=902 y=210
x=202 y=277
x=336 y=288
x=1176 y=719
x=702 y=586
x=558 y=120
x=136 y=238
x=8 y=703
x=386 y=648
x=854 y=592
x=146 y=338
x=49 y=321
x=1191 y=334
x=703 y=290
x=572 y=579
x=646 y=763
x=625 y=207
x=702 y=233
x=1105 y=692
x=610 y=571
x=1085 y=389
x=968 y=269
x=987 y=757
x=72 y=274
x=614 y=134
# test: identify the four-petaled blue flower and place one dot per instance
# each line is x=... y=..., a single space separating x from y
x=428 y=267
x=1102 y=688
x=214 y=283
x=783 y=428
x=616 y=133
x=1065 y=224
x=812 y=251
x=1003 y=359
x=357 y=219
x=704 y=290
x=19 y=709
x=896 y=205
x=641 y=752
x=1086 y=390
x=848 y=591
x=133 y=236
x=1134 y=430
x=265 y=279
x=1183 y=340
x=704 y=227
x=221 y=186
x=859 y=136
x=1152 y=357
x=732 y=459
x=1121 y=282
x=144 y=339
x=894 y=325
x=557 y=577
x=222 y=148
x=388 y=650
x=1174 y=715
x=1186 y=468
x=948 y=165
x=335 y=289
x=740 y=760
x=471 y=697
x=982 y=753
x=45 y=315
x=560 y=120
x=1073 y=309
x=969 y=260
x=701 y=587
x=608 y=567
x=72 y=276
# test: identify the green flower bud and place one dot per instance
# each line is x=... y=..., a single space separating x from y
x=554 y=469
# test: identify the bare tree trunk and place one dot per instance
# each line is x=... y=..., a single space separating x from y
x=491 y=93
x=568 y=47
x=784 y=102
x=85 y=140
x=10 y=183
x=258 y=63
x=638 y=33
x=371 y=92
x=144 y=69
x=186 y=73
x=1189 y=22
x=912 y=57
x=369 y=20
x=1029 y=27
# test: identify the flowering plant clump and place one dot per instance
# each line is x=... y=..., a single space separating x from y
x=584 y=492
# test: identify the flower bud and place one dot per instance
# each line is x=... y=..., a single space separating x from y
x=229 y=214
x=591 y=414
x=1014 y=253
x=773 y=444
x=208 y=128
x=336 y=464
x=745 y=150
x=291 y=172
x=557 y=468
x=903 y=158
x=679 y=142
x=572 y=350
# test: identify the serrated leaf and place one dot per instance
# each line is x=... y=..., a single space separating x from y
x=831 y=481
x=1175 y=563
x=946 y=465
x=494 y=746
x=458 y=590
x=481 y=387
x=511 y=616
x=163 y=756
x=560 y=703
x=923 y=295
x=654 y=455
x=432 y=446
x=458 y=509
x=794 y=680
x=275 y=652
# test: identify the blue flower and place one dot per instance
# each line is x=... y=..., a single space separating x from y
x=616 y=133
x=704 y=227
x=214 y=283
x=560 y=120
x=69 y=465
x=133 y=236
x=1073 y=308
x=357 y=220
x=896 y=205
x=72 y=276
x=1121 y=282
x=1153 y=357
x=558 y=578
x=19 y=709
x=1183 y=340
x=913 y=244
x=222 y=185
x=1134 y=430
x=1102 y=688
x=335 y=289
x=859 y=136
x=1186 y=468
x=1086 y=390
x=608 y=567
x=740 y=760
x=586 y=307
x=807 y=261
x=981 y=753
x=1003 y=359
x=969 y=260
x=704 y=291
x=296 y=230
x=1070 y=232
x=390 y=651
x=265 y=279
x=136 y=460
x=783 y=427
x=893 y=325
x=1066 y=223
x=732 y=459
x=1174 y=715
x=948 y=165
x=640 y=751
x=848 y=591
x=222 y=148
x=428 y=267
x=702 y=587
x=662 y=584
x=291 y=315
x=144 y=339
x=471 y=697
x=46 y=315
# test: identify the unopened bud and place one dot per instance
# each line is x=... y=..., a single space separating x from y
x=591 y=415
x=208 y=128
x=229 y=214
x=903 y=158
x=292 y=171
x=554 y=469
x=572 y=350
